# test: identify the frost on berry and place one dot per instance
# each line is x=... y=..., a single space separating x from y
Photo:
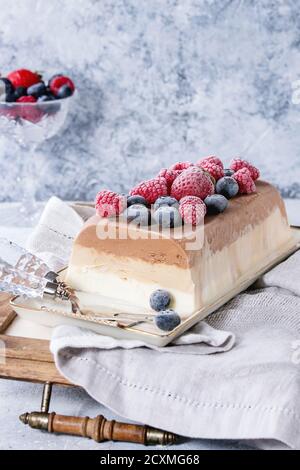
x=169 y=175
x=245 y=182
x=192 y=210
x=181 y=166
x=192 y=182
x=237 y=164
x=109 y=204
x=151 y=189
x=211 y=159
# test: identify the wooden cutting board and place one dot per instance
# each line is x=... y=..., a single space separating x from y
x=25 y=359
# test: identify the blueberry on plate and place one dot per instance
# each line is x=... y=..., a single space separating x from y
x=166 y=201
x=131 y=200
x=215 y=204
x=160 y=299
x=167 y=217
x=227 y=186
x=37 y=90
x=167 y=320
x=137 y=214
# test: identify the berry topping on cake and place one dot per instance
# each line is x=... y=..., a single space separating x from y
x=61 y=86
x=109 y=204
x=167 y=217
x=227 y=186
x=192 y=210
x=211 y=159
x=24 y=78
x=215 y=204
x=192 y=182
x=228 y=172
x=167 y=320
x=166 y=201
x=137 y=214
x=244 y=181
x=237 y=164
x=169 y=175
x=181 y=166
x=160 y=299
x=37 y=90
x=151 y=189
x=216 y=171
x=131 y=200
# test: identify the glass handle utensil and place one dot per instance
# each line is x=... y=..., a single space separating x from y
x=16 y=282
x=23 y=260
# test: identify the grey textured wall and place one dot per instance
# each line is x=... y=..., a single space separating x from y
x=159 y=81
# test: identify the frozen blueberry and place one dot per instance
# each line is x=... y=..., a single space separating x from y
x=228 y=172
x=227 y=186
x=137 y=214
x=166 y=201
x=167 y=320
x=167 y=217
x=37 y=90
x=215 y=204
x=160 y=299
x=131 y=200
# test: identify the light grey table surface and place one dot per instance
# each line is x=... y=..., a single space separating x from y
x=20 y=397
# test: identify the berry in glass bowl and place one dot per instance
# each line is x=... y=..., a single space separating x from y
x=32 y=110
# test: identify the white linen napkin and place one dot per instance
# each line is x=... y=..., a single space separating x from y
x=52 y=240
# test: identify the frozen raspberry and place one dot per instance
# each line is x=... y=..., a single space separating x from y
x=192 y=182
x=151 y=189
x=237 y=164
x=216 y=171
x=211 y=159
x=109 y=203
x=244 y=180
x=169 y=175
x=24 y=78
x=181 y=166
x=192 y=210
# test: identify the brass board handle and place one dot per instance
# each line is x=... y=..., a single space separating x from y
x=99 y=429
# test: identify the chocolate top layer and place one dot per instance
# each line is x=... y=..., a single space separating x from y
x=221 y=230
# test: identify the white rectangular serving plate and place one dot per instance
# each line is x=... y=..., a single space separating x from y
x=50 y=313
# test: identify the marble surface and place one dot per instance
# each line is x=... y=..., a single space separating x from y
x=158 y=81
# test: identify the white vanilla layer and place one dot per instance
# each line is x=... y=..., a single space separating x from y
x=131 y=281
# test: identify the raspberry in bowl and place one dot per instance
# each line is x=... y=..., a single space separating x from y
x=32 y=109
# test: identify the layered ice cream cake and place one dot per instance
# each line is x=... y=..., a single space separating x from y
x=182 y=240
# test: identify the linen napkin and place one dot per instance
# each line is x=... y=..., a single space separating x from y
x=52 y=240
